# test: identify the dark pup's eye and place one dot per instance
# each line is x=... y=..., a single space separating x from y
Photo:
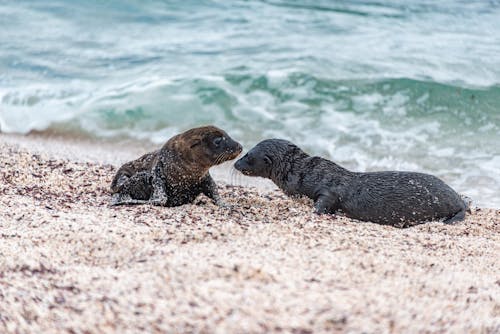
x=267 y=160
x=217 y=141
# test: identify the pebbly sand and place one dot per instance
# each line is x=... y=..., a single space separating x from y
x=69 y=263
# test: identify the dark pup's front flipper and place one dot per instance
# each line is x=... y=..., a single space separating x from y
x=325 y=202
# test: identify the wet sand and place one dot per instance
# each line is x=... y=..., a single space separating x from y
x=70 y=263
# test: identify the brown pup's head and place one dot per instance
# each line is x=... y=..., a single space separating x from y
x=205 y=146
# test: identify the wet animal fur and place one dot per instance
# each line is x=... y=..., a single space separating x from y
x=178 y=172
x=391 y=197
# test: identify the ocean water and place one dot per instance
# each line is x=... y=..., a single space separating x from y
x=372 y=85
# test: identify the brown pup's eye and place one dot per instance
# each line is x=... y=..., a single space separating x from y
x=195 y=143
x=217 y=141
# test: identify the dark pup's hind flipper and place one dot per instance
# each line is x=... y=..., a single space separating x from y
x=459 y=216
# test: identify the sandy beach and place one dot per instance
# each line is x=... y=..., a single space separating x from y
x=69 y=263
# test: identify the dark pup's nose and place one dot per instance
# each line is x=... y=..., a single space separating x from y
x=239 y=164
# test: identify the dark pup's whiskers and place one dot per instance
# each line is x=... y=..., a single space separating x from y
x=235 y=179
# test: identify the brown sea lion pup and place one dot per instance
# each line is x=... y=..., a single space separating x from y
x=176 y=173
x=394 y=198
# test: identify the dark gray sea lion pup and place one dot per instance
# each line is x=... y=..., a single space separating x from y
x=394 y=198
x=178 y=172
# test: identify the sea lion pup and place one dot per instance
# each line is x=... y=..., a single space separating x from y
x=178 y=172
x=394 y=198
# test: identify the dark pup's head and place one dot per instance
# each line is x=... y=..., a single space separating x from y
x=206 y=146
x=267 y=157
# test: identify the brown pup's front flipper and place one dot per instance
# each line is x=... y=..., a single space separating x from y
x=209 y=188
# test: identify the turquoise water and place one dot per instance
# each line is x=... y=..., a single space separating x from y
x=373 y=85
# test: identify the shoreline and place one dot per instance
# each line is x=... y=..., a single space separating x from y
x=115 y=153
x=268 y=264
x=83 y=148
